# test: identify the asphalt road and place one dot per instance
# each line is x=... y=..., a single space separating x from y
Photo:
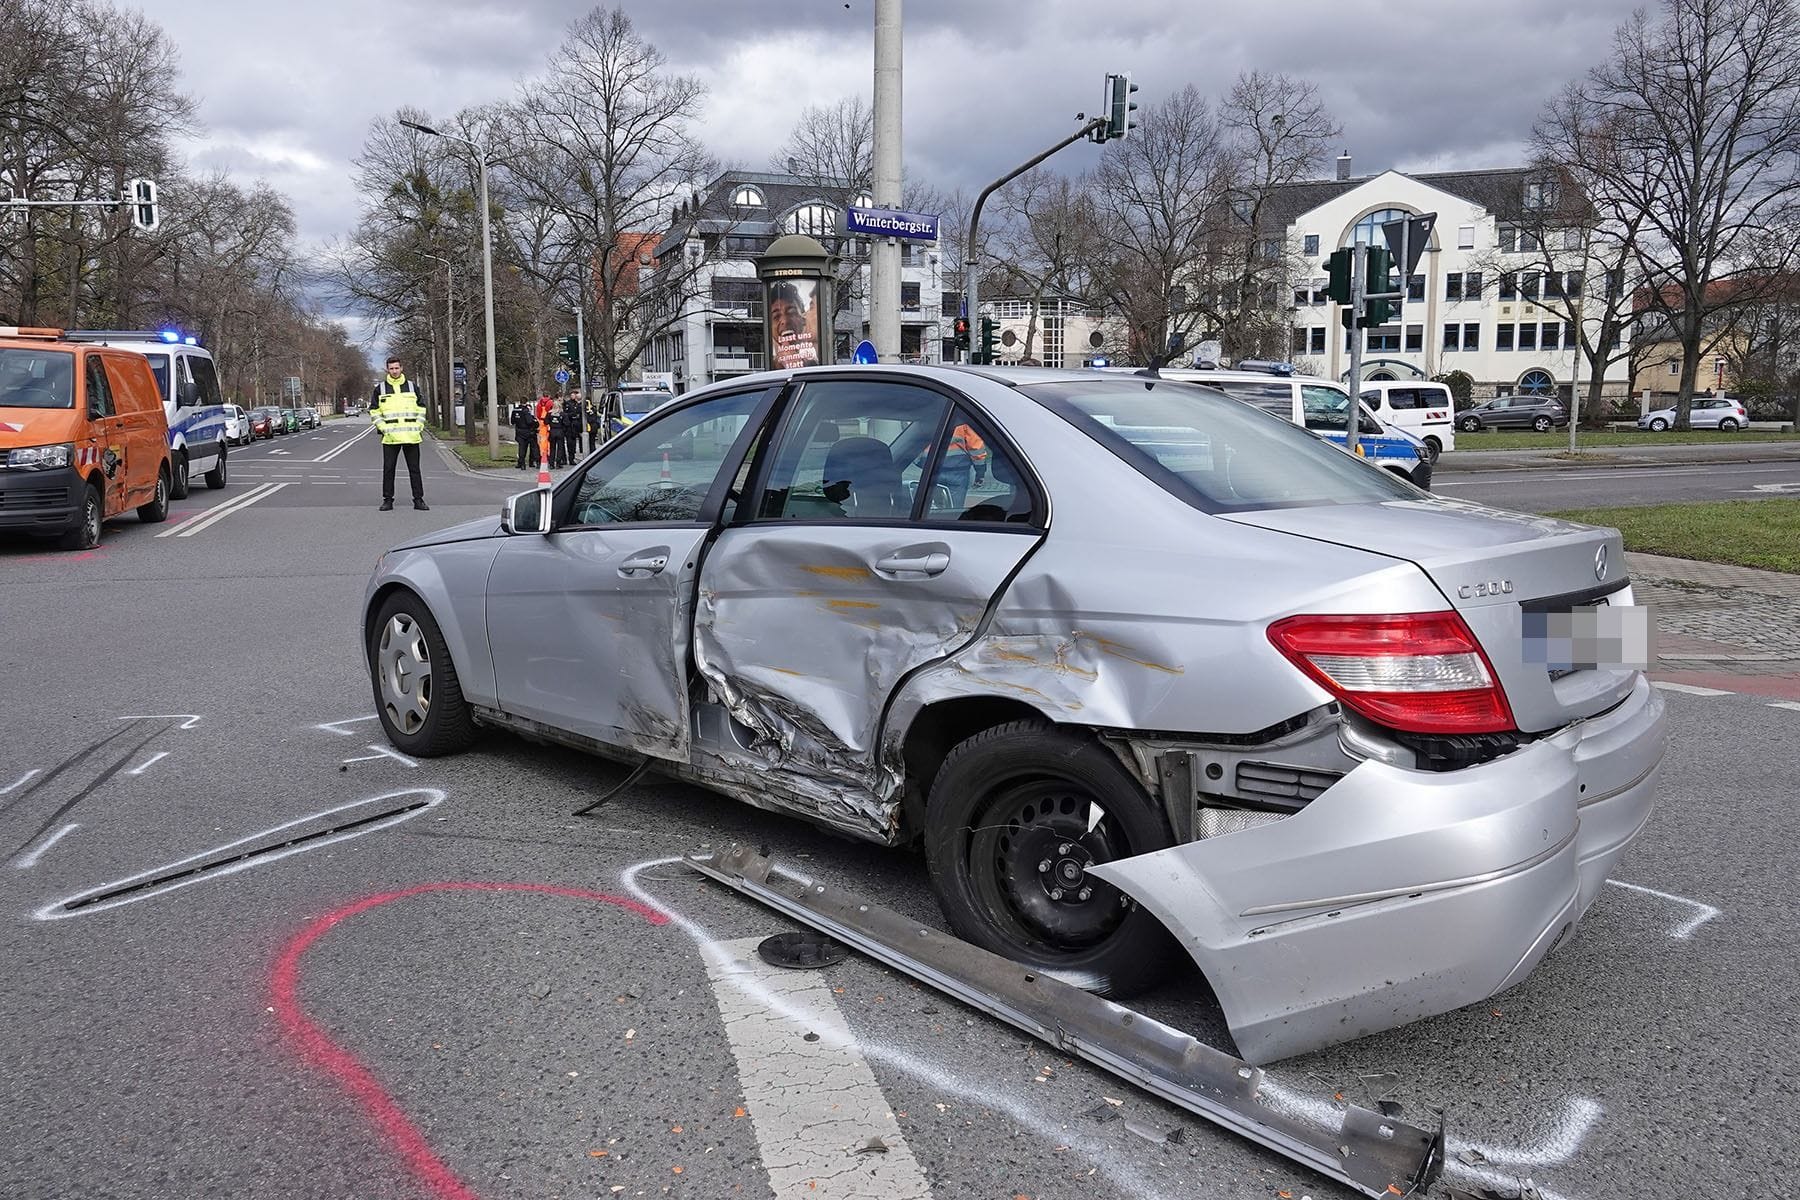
x=1549 y=490
x=335 y=1022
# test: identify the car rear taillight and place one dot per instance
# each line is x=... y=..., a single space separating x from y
x=1415 y=672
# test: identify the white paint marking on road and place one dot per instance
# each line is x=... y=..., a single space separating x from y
x=336 y=726
x=189 y=720
x=811 y=1103
x=347 y=443
x=54 y=911
x=1790 y=705
x=384 y=752
x=20 y=782
x=225 y=510
x=1051 y=1127
x=281 y=452
x=1775 y=487
x=1702 y=912
x=26 y=861
x=1690 y=689
x=148 y=763
x=216 y=510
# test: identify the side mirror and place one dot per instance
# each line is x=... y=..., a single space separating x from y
x=527 y=512
x=188 y=394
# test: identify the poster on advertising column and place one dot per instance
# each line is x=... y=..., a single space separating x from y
x=793 y=308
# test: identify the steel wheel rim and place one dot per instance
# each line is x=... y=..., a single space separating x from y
x=403 y=663
x=1026 y=824
x=90 y=520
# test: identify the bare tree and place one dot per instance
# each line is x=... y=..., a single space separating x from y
x=1699 y=108
x=1047 y=239
x=831 y=145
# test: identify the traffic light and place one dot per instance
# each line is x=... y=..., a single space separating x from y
x=568 y=350
x=1337 y=267
x=990 y=339
x=140 y=197
x=1380 y=266
x=1119 y=106
x=962 y=333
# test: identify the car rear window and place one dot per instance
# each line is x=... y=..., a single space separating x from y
x=33 y=378
x=1211 y=451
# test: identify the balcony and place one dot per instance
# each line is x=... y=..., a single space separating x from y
x=722 y=361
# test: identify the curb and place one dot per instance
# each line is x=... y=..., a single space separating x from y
x=1449 y=464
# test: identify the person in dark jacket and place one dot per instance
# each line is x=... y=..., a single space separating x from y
x=558 y=447
x=525 y=433
x=572 y=424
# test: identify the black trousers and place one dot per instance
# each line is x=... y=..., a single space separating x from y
x=524 y=448
x=390 y=454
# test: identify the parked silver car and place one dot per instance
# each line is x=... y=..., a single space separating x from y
x=1704 y=412
x=1130 y=658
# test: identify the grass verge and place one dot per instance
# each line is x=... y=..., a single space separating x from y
x=477 y=456
x=1745 y=533
x=1558 y=439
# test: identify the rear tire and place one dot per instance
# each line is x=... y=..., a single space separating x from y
x=1658 y=425
x=1019 y=796
x=157 y=511
x=417 y=695
x=1541 y=424
x=1728 y=424
x=178 y=484
x=1469 y=425
x=1433 y=447
x=215 y=478
x=85 y=533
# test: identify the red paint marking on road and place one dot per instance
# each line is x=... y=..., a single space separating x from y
x=1774 y=687
x=316 y=1048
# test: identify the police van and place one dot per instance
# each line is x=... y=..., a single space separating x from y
x=1316 y=404
x=192 y=401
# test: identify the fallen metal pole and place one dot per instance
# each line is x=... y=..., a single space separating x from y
x=1376 y=1155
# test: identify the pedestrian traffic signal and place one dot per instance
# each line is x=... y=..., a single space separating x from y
x=962 y=333
x=1337 y=270
x=568 y=349
x=990 y=339
x=1379 y=266
x=140 y=197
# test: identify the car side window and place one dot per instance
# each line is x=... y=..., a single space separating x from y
x=1327 y=409
x=99 y=392
x=664 y=469
x=852 y=450
x=207 y=376
x=977 y=480
x=1277 y=398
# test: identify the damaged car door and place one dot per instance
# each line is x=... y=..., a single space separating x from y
x=885 y=517
x=588 y=624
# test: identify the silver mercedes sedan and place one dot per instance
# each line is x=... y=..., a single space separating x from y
x=1146 y=670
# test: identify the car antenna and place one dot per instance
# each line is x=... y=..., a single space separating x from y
x=1177 y=343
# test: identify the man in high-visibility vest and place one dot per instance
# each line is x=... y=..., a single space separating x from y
x=397 y=413
x=965 y=461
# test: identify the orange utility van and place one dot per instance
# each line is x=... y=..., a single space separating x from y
x=83 y=437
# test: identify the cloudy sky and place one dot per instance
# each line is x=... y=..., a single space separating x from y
x=287 y=91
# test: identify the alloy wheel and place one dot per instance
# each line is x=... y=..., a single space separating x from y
x=403 y=660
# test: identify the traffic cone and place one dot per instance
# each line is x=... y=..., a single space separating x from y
x=665 y=467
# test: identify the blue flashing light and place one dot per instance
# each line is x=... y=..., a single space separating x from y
x=1272 y=368
x=1100 y=360
x=170 y=336
x=190 y=340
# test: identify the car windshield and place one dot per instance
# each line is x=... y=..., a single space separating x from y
x=1213 y=452
x=32 y=378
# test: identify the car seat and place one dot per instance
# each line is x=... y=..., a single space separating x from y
x=860 y=476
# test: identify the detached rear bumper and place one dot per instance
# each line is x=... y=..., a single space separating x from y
x=1400 y=894
x=40 y=501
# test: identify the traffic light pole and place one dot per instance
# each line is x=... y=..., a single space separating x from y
x=972 y=252
x=1359 y=278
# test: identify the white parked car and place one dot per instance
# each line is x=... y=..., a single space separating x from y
x=1703 y=413
x=237 y=425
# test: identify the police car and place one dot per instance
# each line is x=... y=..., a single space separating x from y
x=192 y=401
x=1319 y=405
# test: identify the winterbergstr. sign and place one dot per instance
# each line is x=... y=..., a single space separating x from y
x=889 y=222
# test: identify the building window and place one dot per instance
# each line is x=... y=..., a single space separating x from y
x=1465 y=238
x=1453 y=286
x=909 y=297
x=1503 y=337
x=1471 y=336
x=1549 y=337
x=1568 y=336
x=952 y=305
x=1271 y=248
x=1527 y=339
x=1471 y=285
x=1537 y=383
x=1386 y=338
x=814 y=220
x=1514 y=240
x=1415 y=287
x=1674 y=367
x=1528 y=285
x=1415 y=338
x=1317 y=341
x=1453 y=336
x=1572 y=282
x=744 y=246
x=1541 y=195
x=1615 y=283
x=1302 y=296
x=1309 y=245
x=1509 y=286
x=1571 y=239
x=1367 y=231
x=730 y=293
x=747 y=197
x=1300 y=341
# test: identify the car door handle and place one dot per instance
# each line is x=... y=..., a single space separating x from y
x=648 y=564
x=903 y=563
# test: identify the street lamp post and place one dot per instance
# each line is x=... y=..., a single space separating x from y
x=449 y=413
x=487 y=281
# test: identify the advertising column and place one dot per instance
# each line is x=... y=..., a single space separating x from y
x=797 y=275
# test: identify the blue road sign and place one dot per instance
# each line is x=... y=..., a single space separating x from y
x=562 y=376
x=864 y=354
x=891 y=222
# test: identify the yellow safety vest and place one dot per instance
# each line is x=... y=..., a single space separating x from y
x=398 y=414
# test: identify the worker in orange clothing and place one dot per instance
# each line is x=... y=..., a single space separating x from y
x=965 y=462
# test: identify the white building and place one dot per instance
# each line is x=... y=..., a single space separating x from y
x=731 y=222
x=1470 y=303
x=1061 y=331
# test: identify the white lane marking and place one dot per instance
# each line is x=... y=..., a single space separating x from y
x=811 y=1103
x=148 y=763
x=1702 y=912
x=25 y=862
x=19 y=782
x=1790 y=705
x=1052 y=1127
x=226 y=510
x=334 y=726
x=54 y=910
x=215 y=510
x=281 y=452
x=1775 y=487
x=189 y=720
x=347 y=443
x=384 y=752
x=1690 y=689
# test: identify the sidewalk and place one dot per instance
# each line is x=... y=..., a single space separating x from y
x=516 y=479
x=1719 y=626
x=1634 y=456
